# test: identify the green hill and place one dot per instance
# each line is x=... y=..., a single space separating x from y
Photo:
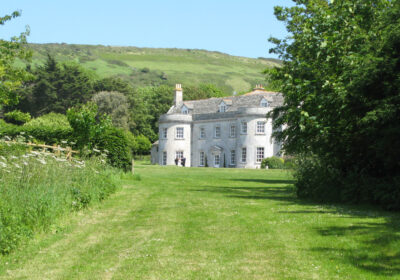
x=154 y=66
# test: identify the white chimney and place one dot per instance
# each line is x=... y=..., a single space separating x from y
x=178 y=95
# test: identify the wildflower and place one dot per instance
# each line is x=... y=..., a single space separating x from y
x=106 y=151
x=97 y=151
x=3 y=158
x=64 y=142
x=7 y=138
x=42 y=161
x=3 y=164
x=14 y=157
x=25 y=163
x=17 y=165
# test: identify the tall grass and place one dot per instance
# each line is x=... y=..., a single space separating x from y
x=36 y=188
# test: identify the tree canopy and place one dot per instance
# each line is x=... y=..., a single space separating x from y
x=11 y=77
x=341 y=83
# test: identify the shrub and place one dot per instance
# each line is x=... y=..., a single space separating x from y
x=273 y=163
x=321 y=181
x=17 y=117
x=8 y=129
x=115 y=142
x=51 y=128
x=86 y=125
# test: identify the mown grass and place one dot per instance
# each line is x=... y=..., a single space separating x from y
x=203 y=223
x=190 y=67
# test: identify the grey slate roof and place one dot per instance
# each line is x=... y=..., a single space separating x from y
x=210 y=106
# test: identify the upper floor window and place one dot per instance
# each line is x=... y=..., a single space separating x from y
x=165 y=133
x=202 y=133
x=260 y=127
x=264 y=103
x=217 y=132
x=232 y=131
x=179 y=133
x=244 y=128
x=185 y=110
x=222 y=107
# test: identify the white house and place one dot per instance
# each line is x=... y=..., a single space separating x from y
x=218 y=132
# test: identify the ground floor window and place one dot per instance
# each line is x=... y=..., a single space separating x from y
x=179 y=154
x=216 y=160
x=233 y=157
x=202 y=159
x=244 y=154
x=164 y=158
x=260 y=154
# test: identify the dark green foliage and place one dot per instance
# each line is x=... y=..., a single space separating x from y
x=17 y=117
x=341 y=82
x=56 y=88
x=115 y=142
x=113 y=84
x=273 y=163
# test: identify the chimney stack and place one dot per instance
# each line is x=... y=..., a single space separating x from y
x=178 y=95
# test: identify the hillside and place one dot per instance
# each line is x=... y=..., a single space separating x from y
x=154 y=66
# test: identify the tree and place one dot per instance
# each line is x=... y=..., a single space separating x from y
x=87 y=125
x=11 y=77
x=114 y=104
x=57 y=87
x=341 y=84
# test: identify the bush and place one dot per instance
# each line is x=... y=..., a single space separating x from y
x=17 y=117
x=322 y=182
x=37 y=189
x=51 y=128
x=117 y=146
x=273 y=163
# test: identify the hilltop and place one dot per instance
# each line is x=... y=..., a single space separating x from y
x=155 y=66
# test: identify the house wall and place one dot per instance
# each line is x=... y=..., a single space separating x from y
x=192 y=144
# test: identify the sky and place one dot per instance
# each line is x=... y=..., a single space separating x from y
x=236 y=27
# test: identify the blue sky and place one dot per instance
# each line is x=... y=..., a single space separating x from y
x=237 y=27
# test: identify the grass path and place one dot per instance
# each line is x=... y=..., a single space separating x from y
x=178 y=223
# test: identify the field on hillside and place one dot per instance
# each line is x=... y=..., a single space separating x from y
x=204 y=223
x=151 y=66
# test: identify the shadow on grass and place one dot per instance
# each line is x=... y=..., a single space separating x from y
x=372 y=247
x=377 y=253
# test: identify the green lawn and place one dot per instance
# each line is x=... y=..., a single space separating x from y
x=200 y=223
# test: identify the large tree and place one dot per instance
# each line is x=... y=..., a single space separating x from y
x=341 y=83
x=11 y=77
x=57 y=87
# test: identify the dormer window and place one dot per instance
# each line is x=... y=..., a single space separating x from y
x=185 y=110
x=264 y=103
x=222 y=107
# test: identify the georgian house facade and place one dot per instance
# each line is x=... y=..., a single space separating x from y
x=218 y=132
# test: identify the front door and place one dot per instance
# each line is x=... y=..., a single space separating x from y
x=216 y=160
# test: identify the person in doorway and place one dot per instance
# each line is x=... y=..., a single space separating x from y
x=176 y=161
x=183 y=161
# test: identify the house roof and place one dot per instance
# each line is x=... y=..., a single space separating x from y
x=210 y=106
